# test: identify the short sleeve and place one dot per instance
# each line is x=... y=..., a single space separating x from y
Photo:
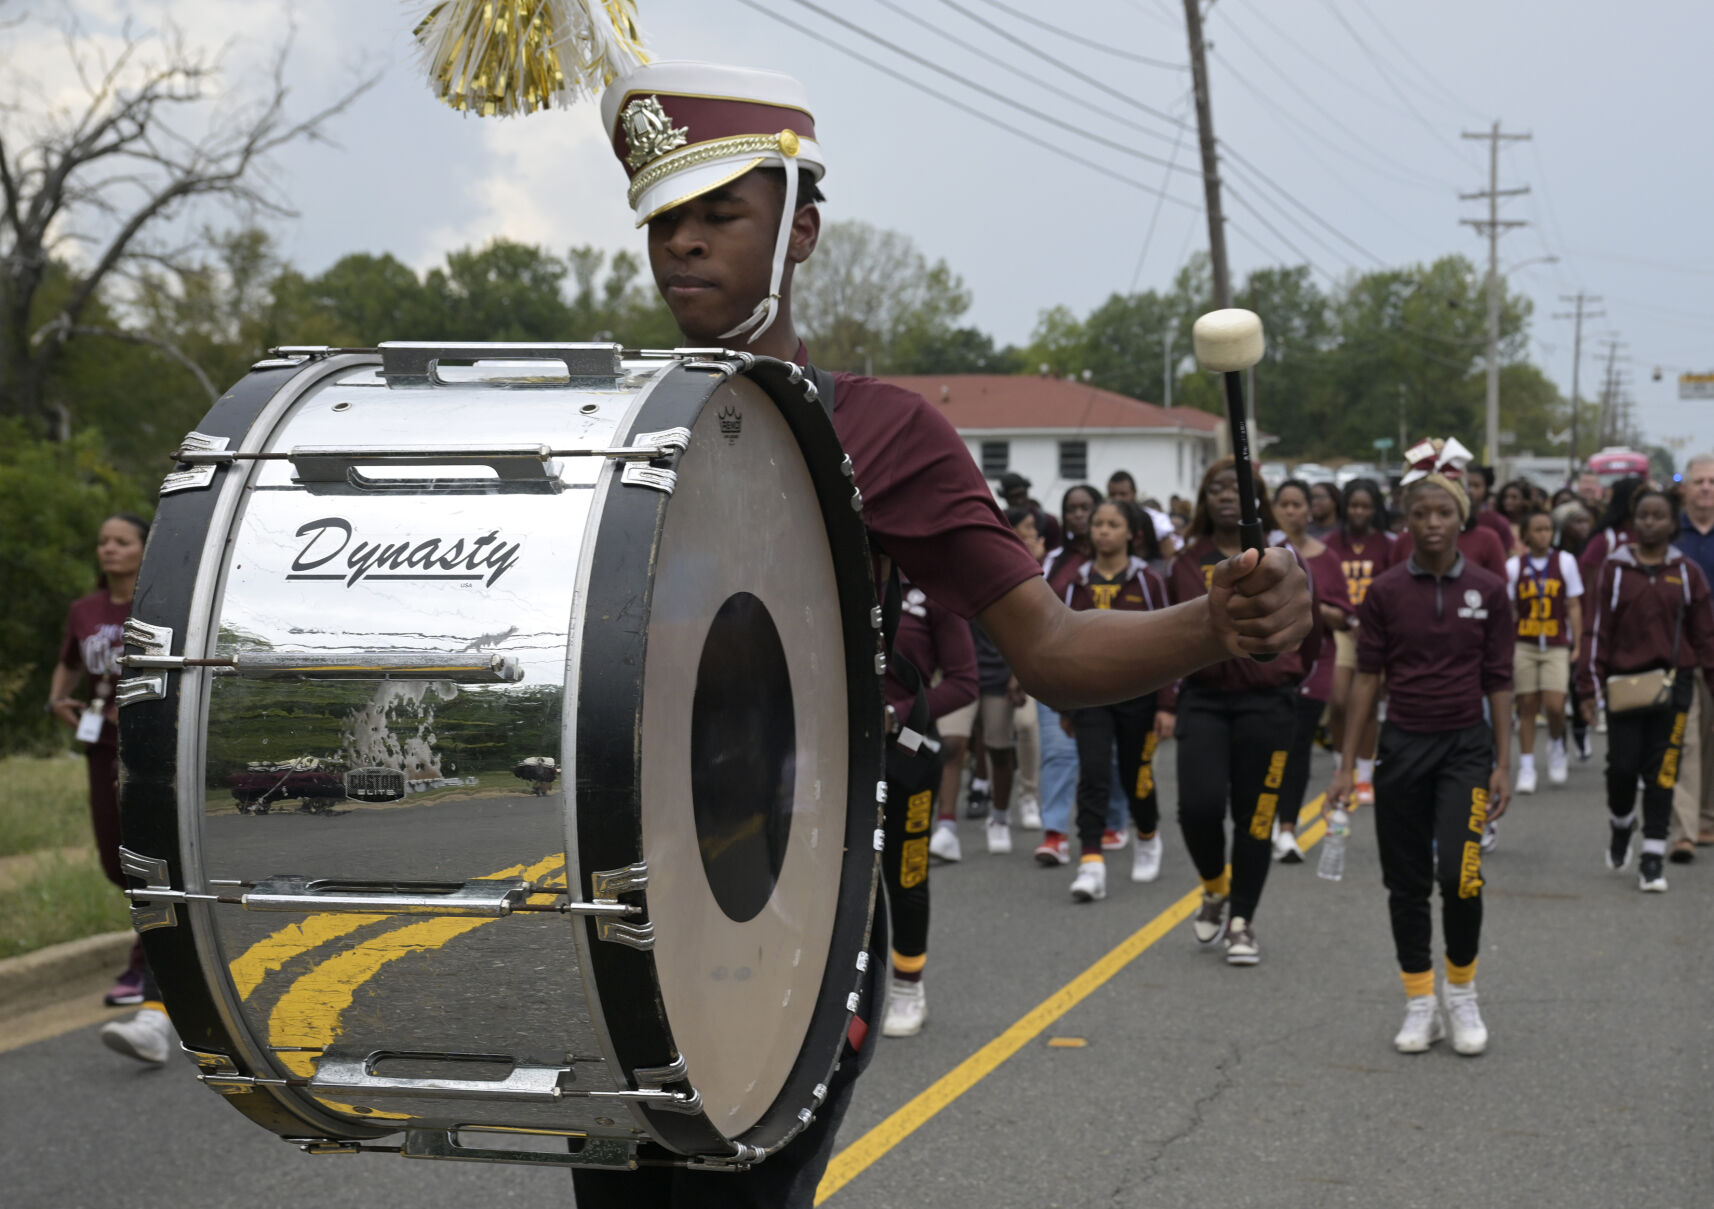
x=1571 y=575
x=71 y=651
x=1514 y=569
x=1372 y=633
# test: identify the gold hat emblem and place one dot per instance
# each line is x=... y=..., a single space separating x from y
x=649 y=132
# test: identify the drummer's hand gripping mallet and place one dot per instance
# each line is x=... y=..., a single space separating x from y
x=1231 y=341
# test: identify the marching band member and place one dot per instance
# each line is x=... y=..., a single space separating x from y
x=1478 y=540
x=1439 y=628
x=1115 y=579
x=1649 y=627
x=1234 y=723
x=725 y=166
x=1546 y=589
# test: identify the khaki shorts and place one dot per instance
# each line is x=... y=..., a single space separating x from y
x=1538 y=670
x=997 y=727
x=1345 y=649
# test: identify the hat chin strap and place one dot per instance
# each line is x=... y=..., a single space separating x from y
x=768 y=309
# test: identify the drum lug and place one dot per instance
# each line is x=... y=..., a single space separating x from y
x=875 y=618
x=609 y=884
x=665 y=442
x=146 y=915
x=139 y=688
x=880 y=663
x=633 y=936
x=641 y=474
x=149 y=639
x=610 y=1153
x=202 y=455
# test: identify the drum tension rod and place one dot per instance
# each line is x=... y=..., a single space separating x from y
x=653 y=445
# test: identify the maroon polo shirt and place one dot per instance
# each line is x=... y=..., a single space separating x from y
x=1444 y=644
x=925 y=502
x=932 y=638
x=1478 y=545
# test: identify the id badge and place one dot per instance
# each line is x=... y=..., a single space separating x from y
x=89 y=725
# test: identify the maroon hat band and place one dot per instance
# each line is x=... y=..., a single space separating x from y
x=707 y=118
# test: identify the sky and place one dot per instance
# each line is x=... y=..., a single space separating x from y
x=1342 y=119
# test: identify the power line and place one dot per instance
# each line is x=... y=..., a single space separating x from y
x=1404 y=52
x=1091 y=43
x=1392 y=84
x=1154 y=220
x=1062 y=93
x=1245 y=165
x=1110 y=144
x=965 y=107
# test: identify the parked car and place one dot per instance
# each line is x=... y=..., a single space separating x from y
x=1312 y=472
x=1357 y=470
x=1275 y=473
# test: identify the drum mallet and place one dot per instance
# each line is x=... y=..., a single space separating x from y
x=1231 y=341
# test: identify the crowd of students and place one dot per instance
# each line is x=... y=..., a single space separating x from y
x=1451 y=617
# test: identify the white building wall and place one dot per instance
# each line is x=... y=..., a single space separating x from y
x=1164 y=462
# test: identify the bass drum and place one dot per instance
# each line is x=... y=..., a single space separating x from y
x=526 y=783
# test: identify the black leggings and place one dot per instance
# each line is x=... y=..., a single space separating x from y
x=1296 y=781
x=1233 y=750
x=1130 y=725
x=1648 y=743
x=1431 y=804
x=913 y=784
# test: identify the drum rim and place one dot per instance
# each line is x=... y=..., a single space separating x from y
x=609 y=835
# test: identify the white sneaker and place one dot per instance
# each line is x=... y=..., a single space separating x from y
x=1146 y=859
x=999 y=834
x=1029 y=812
x=1556 y=765
x=1208 y=925
x=1241 y=946
x=1422 y=1027
x=1090 y=883
x=1286 y=851
x=1469 y=1034
x=1526 y=778
x=147 y=1036
x=943 y=844
x=1601 y=723
x=907 y=1009
x=1490 y=837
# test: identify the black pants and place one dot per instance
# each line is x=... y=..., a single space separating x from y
x=1579 y=728
x=1131 y=726
x=1296 y=781
x=1648 y=743
x=1431 y=804
x=1233 y=749
x=913 y=785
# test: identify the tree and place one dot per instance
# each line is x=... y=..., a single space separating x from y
x=86 y=193
x=869 y=299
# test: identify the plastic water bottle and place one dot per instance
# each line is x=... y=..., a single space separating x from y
x=1332 y=866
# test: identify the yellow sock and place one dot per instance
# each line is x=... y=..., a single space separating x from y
x=909 y=965
x=1091 y=856
x=1151 y=835
x=1460 y=976
x=1418 y=985
x=1219 y=886
x=153 y=1005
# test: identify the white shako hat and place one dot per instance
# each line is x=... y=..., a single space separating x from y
x=682 y=129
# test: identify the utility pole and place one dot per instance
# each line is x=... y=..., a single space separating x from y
x=1210 y=161
x=1610 y=394
x=1579 y=300
x=1492 y=226
x=1166 y=366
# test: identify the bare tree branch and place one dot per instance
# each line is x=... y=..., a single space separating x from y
x=62 y=331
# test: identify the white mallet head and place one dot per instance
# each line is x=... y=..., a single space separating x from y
x=1228 y=340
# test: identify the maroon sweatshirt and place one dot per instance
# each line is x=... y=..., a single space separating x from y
x=1327 y=573
x=932 y=637
x=1444 y=644
x=1188 y=578
x=1136 y=589
x=1631 y=613
x=1495 y=523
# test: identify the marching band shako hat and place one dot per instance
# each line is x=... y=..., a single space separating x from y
x=683 y=129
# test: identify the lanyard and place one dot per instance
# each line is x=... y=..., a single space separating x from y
x=1540 y=578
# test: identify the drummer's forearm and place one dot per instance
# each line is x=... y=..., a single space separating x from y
x=1073 y=659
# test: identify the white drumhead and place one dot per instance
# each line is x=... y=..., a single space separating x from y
x=745 y=741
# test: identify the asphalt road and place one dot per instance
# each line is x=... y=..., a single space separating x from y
x=1197 y=1084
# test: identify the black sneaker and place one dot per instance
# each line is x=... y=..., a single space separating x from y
x=1651 y=873
x=1208 y=925
x=978 y=802
x=1619 y=845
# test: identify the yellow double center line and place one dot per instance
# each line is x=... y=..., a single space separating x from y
x=856 y=1158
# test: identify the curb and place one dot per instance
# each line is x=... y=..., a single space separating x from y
x=36 y=980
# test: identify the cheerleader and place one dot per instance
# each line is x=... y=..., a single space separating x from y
x=1649 y=628
x=1115 y=579
x=1333 y=609
x=1234 y=722
x=1439 y=629
x=1545 y=586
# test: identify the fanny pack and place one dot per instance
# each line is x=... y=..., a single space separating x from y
x=1646 y=690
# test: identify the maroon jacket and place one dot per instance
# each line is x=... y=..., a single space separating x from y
x=1187 y=579
x=1139 y=589
x=1478 y=545
x=1598 y=549
x=1327 y=574
x=932 y=637
x=1061 y=566
x=1499 y=526
x=1444 y=644
x=1632 y=612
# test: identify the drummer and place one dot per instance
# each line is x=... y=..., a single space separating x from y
x=725 y=169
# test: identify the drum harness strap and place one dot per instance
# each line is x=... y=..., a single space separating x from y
x=913 y=733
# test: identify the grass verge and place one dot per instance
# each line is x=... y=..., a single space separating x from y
x=44 y=803
x=64 y=899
